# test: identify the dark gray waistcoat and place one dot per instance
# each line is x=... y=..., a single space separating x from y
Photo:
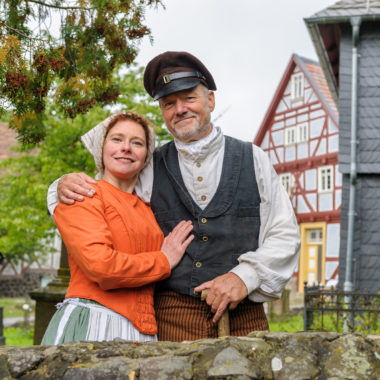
x=226 y=228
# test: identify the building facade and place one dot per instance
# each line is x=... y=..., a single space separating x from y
x=347 y=40
x=300 y=134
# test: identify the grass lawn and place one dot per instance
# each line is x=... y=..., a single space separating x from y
x=19 y=336
x=286 y=323
x=12 y=307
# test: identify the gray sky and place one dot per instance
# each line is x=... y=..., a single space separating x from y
x=246 y=45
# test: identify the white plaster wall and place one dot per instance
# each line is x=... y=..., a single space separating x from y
x=278 y=125
x=312 y=199
x=290 y=122
x=301 y=205
x=333 y=143
x=332 y=239
x=273 y=158
x=302 y=118
x=316 y=127
x=311 y=179
x=330 y=268
x=278 y=137
x=302 y=151
x=290 y=153
x=322 y=147
x=325 y=202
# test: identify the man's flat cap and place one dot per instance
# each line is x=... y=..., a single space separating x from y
x=175 y=71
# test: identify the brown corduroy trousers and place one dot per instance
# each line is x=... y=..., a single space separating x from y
x=181 y=317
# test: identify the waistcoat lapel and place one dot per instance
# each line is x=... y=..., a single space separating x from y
x=170 y=158
x=229 y=179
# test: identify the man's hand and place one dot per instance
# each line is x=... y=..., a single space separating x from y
x=72 y=187
x=225 y=291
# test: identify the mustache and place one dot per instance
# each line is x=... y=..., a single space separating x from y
x=184 y=115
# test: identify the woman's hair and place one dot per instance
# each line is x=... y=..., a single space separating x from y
x=129 y=115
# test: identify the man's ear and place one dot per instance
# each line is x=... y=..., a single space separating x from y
x=211 y=100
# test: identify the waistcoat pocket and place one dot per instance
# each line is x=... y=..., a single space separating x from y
x=248 y=211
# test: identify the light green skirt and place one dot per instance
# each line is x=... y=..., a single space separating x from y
x=79 y=319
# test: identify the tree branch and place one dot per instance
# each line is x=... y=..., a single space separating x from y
x=25 y=35
x=59 y=6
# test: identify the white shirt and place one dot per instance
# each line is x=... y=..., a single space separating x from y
x=265 y=271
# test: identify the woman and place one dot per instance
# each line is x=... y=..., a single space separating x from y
x=116 y=249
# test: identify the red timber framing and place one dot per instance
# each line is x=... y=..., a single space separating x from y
x=311 y=119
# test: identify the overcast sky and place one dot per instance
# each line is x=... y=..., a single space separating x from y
x=245 y=44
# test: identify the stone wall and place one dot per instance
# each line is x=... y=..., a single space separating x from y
x=20 y=286
x=260 y=355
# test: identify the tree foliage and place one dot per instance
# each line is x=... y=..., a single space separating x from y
x=67 y=51
x=26 y=229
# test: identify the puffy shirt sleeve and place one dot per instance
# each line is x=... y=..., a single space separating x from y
x=266 y=271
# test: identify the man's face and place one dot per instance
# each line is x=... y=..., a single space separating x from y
x=187 y=113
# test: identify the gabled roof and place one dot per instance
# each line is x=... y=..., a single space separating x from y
x=314 y=75
x=324 y=30
x=349 y=8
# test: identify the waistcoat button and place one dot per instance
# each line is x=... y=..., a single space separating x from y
x=203 y=197
x=204 y=220
x=200 y=179
x=198 y=264
x=205 y=238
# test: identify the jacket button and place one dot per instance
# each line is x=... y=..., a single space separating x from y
x=198 y=264
x=198 y=164
x=204 y=220
x=205 y=238
x=200 y=179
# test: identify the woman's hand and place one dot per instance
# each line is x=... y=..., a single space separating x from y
x=175 y=244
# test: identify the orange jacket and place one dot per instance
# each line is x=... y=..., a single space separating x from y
x=113 y=242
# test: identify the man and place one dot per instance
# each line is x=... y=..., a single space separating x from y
x=246 y=236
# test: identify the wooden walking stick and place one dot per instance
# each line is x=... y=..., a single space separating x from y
x=224 y=321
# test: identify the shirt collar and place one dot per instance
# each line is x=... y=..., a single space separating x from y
x=197 y=149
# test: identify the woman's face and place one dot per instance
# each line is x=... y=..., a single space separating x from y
x=124 y=150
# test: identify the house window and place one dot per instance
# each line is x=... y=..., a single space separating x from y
x=325 y=179
x=315 y=236
x=290 y=135
x=296 y=90
x=286 y=181
x=302 y=132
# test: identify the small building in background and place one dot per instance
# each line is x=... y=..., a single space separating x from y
x=300 y=134
x=346 y=36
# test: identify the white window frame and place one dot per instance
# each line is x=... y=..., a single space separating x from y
x=325 y=179
x=297 y=86
x=315 y=236
x=302 y=132
x=290 y=136
x=286 y=180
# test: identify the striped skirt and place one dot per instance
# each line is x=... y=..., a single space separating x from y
x=181 y=317
x=79 y=319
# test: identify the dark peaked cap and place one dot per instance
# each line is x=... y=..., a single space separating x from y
x=175 y=71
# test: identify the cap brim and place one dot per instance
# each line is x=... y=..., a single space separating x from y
x=175 y=86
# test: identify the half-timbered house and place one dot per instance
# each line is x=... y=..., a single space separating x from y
x=300 y=134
